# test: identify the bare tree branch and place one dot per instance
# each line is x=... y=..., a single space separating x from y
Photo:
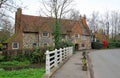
x=56 y=8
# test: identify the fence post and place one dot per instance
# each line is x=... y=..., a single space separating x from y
x=47 y=63
x=68 y=52
x=71 y=50
x=56 y=58
x=60 y=55
x=64 y=53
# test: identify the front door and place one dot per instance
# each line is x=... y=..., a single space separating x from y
x=76 y=47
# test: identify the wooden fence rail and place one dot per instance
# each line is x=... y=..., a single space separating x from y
x=56 y=57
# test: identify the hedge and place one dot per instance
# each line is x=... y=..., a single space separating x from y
x=114 y=44
x=97 y=45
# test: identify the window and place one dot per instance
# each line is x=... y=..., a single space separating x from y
x=76 y=35
x=84 y=37
x=82 y=45
x=34 y=44
x=15 y=45
x=45 y=34
x=45 y=44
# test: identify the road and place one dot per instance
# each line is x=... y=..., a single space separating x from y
x=106 y=63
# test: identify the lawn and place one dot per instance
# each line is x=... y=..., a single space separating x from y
x=23 y=73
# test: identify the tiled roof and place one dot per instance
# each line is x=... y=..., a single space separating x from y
x=35 y=23
x=40 y=24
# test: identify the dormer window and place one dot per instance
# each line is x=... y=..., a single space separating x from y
x=45 y=34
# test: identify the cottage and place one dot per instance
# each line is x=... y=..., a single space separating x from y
x=37 y=31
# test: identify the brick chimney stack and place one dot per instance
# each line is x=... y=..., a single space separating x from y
x=84 y=20
x=81 y=18
x=18 y=20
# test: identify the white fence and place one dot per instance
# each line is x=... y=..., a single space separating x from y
x=56 y=57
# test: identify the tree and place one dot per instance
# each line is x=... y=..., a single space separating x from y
x=74 y=15
x=104 y=22
x=109 y=22
x=4 y=35
x=7 y=6
x=115 y=23
x=6 y=25
x=56 y=9
x=6 y=30
x=94 y=23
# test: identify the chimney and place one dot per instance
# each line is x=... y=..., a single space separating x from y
x=81 y=18
x=18 y=20
x=84 y=20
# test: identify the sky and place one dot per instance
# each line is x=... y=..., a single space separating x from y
x=83 y=6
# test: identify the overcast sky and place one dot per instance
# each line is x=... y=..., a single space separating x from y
x=83 y=6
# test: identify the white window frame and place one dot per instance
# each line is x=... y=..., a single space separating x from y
x=13 y=45
x=34 y=44
x=84 y=37
x=82 y=45
x=47 y=34
x=76 y=36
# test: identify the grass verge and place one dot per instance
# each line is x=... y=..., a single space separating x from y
x=23 y=73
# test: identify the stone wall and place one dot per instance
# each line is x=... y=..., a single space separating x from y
x=35 y=39
x=88 y=42
x=46 y=40
x=30 y=39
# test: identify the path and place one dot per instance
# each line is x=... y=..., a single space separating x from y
x=72 y=68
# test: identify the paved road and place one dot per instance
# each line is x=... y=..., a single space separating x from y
x=106 y=63
x=72 y=68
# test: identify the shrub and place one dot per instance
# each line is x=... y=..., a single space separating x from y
x=114 y=44
x=38 y=56
x=111 y=44
x=118 y=44
x=0 y=46
x=1 y=58
x=19 y=57
x=50 y=48
x=83 y=53
x=63 y=44
x=97 y=45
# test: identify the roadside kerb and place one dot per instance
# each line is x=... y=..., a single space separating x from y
x=90 y=67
